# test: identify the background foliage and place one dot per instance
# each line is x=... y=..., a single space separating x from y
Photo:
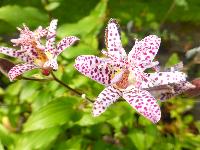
x=45 y=115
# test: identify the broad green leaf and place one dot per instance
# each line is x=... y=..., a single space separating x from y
x=111 y=115
x=73 y=143
x=138 y=138
x=14 y=88
x=150 y=135
x=16 y=15
x=38 y=139
x=88 y=25
x=102 y=145
x=88 y=120
x=81 y=49
x=6 y=138
x=57 y=112
x=28 y=90
x=41 y=99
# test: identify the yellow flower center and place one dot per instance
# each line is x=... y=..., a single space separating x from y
x=41 y=56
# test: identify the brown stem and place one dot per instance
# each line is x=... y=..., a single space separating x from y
x=68 y=87
x=35 y=79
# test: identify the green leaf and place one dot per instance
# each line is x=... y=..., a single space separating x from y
x=28 y=90
x=150 y=135
x=14 y=88
x=124 y=38
x=138 y=138
x=182 y=3
x=73 y=143
x=88 y=120
x=38 y=139
x=174 y=59
x=16 y=15
x=102 y=145
x=41 y=99
x=6 y=138
x=1 y=146
x=52 y=6
x=57 y=112
x=88 y=25
x=82 y=49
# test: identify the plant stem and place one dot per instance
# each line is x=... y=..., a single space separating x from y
x=35 y=79
x=71 y=89
x=171 y=8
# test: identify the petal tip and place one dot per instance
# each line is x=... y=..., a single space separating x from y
x=95 y=113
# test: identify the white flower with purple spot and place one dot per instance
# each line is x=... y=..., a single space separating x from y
x=33 y=53
x=124 y=74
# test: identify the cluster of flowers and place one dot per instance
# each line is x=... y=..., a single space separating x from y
x=123 y=74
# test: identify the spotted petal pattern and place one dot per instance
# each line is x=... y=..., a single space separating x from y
x=144 y=51
x=108 y=96
x=144 y=103
x=51 y=36
x=65 y=43
x=177 y=89
x=113 y=40
x=21 y=54
x=163 y=78
x=176 y=67
x=20 y=69
x=40 y=32
x=94 y=68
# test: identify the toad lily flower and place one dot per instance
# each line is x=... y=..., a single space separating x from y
x=33 y=53
x=124 y=74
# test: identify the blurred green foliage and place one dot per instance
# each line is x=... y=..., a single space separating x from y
x=45 y=115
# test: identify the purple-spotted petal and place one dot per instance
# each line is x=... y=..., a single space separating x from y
x=163 y=78
x=21 y=54
x=65 y=43
x=51 y=35
x=9 y=51
x=40 y=32
x=108 y=96
x=176 y=67
x=94 y=68
x=20 y=69
x=113 y=40
x=144 y=51
x=158 y=91
x=178 y=88
x=52 y=63
x=144 y=103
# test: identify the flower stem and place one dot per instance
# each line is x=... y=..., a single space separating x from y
x=35 y=79
x=71 y=89
x=171 y=8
